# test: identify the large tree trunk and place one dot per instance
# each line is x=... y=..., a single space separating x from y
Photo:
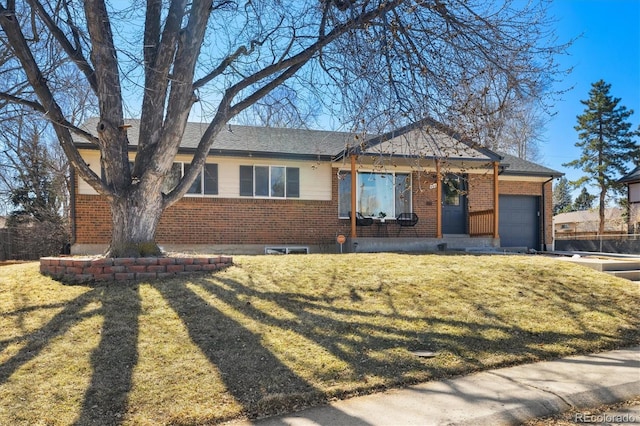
x=135 y=218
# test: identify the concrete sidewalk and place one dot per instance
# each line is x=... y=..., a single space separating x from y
x=506 y=396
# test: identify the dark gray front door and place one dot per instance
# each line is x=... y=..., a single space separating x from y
x=454 y=204
x=519 y=222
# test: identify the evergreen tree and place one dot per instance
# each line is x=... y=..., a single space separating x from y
x=607 y=142
x=584 y=201
x=562 y=196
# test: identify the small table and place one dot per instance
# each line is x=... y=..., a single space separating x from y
x=382 y=227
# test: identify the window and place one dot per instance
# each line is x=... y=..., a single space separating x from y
x=452 y=187
x=205 y=184
x=270 y=181
x=389 y=193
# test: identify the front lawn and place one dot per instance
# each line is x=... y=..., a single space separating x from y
x=277 y=333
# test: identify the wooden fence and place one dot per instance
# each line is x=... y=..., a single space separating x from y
x=33 y=241
x=481 y=223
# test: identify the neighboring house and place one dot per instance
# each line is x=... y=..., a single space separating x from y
x=632 y=180
x=585 y=223
x=274 y=187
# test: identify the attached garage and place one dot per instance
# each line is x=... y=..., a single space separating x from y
x=519 y=222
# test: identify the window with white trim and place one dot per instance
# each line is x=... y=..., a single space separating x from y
x=205 y=183
x=270 y=181
x=389 y=193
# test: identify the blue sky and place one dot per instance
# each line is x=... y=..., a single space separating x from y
x=609 y=49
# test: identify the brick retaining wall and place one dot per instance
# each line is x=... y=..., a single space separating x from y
x=83 y=270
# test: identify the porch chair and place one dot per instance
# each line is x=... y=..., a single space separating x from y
x=361 y=220
x=407 y=220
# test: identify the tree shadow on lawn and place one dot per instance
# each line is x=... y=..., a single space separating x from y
x=37 y=340
x=378 y=355
x=255 y=377
x=105 y=400
x=113 y=361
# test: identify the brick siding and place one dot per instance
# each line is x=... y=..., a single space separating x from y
x=214 y=221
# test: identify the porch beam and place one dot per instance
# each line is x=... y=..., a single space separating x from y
x=496 y=197
x=438 y=200
x=353 y=195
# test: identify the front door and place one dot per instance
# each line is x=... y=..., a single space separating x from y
x=454 y=204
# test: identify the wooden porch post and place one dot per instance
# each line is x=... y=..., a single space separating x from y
x=353 y=196
x=438 y=201
x=496 y=196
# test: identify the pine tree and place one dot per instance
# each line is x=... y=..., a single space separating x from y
x=607 y=143
x=584 y=201
x=562 y=196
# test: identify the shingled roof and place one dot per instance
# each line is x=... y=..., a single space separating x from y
x=518 y=167
x=254 y=141
x=631 y=177
x=426 y=139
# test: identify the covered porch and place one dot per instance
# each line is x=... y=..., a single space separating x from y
x=472 y=227
x=448 y=186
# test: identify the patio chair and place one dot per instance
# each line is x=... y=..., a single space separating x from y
x=361 y=220
x=407 y=220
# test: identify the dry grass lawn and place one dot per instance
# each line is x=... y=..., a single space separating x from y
x=277 y=333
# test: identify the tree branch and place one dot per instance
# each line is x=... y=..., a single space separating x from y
x=75 y=54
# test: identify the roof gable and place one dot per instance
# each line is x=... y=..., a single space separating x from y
x=426 y=139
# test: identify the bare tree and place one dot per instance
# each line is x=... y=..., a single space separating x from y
x=33 y=178
x=283 y=107
x=380 y=61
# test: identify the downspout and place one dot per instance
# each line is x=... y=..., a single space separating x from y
x=438 y=201
x=72 y=204
x=354 y=188
x=544 y=215
x=496 y=201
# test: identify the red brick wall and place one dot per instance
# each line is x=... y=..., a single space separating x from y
x=75 y=270
x=221 y=221
x=195 y=220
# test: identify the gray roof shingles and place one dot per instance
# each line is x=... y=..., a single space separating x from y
x=266 y=141
x=518 y=166
x=631 y=177
x=301 y=143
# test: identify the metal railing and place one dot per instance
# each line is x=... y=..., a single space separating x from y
x=595 y=236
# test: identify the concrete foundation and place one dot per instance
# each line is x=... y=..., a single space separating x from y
x=447 y=242
x=352 y=245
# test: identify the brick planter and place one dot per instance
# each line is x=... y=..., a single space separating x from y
x=84 y=270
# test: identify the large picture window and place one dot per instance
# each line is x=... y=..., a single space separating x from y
x=270 y=181
x=388 y=193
